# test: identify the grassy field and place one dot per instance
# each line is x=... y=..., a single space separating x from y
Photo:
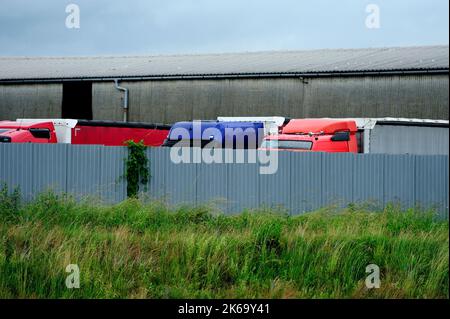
x=147 y=250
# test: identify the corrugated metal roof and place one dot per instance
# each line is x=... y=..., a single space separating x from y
x=277 y=62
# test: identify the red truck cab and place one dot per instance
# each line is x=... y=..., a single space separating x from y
x=315 y=135
x=27 y=132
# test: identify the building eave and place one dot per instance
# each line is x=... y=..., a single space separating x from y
x=304 y=75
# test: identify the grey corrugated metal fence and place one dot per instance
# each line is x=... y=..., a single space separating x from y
x=303 y=182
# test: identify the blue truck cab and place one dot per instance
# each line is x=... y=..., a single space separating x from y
x=217 y=134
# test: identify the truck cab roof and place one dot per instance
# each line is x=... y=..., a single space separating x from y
x=25 y=125
x=324 y=126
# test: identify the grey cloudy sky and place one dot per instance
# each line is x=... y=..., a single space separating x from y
x=135 y=27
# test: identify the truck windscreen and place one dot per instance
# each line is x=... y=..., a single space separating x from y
x=285 y=144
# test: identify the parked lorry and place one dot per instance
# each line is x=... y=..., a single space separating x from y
x=217 y=134
x=363 y=135
x=77 y=132
x=355 y=135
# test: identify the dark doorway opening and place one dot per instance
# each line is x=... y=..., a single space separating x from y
x=77 y=100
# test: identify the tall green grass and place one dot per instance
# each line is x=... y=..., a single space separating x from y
x=140 y=249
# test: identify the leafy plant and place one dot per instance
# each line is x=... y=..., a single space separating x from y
x=137 y=171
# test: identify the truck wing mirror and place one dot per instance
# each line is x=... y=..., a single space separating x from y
x=40 y=132
x=341 y=137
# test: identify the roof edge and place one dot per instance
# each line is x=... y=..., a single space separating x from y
x=431 y=71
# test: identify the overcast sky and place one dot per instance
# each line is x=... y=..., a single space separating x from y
x=136 y=27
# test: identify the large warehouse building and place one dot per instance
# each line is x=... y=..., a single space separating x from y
x=396 y=82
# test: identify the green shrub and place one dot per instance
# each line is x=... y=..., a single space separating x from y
x=136 y=166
